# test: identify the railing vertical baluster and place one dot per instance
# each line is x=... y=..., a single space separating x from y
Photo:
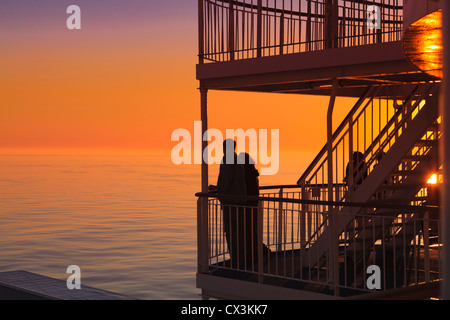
x=259 y=30
x=308 y=26
x=282 y=33
x=350 y=158
x=280 y=221
x=201 y=34
x=304 y=210
x=231 y=29
x=260 y=241
x=199 y=236
x=426 y=246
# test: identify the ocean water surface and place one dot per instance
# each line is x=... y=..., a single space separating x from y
x=128 y=220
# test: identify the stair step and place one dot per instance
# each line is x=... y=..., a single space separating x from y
x=415 y=158
x=396 y=201
x=399 y=186
x=427 y=143
x=408 y=173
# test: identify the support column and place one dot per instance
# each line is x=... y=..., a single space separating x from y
x=331 y=23
x=333 y=243
x=445 y=152
x=204 y=200
x=204 y=119
x=201 y=32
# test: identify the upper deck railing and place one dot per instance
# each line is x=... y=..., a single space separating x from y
x=244 y=29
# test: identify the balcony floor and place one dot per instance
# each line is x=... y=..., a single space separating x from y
x=283 y=269
x=311 y=72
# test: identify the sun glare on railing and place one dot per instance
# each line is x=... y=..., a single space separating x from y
x=433 y=179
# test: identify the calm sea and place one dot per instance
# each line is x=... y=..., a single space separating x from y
x=127 y=220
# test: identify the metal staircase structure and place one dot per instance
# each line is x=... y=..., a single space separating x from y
x=363 y=201
x=396 y=167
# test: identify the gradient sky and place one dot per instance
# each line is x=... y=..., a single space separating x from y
x=125 y=81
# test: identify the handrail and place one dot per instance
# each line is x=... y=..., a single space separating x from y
x=411 y=97
x=338 y=131
x=295 y=13
x=385 y=130
x=284 y=186
x=424 y=208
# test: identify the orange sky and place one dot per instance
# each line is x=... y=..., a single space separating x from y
x=129 y=87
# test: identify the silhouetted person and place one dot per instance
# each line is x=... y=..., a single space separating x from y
x=250 y=236
x=359 y=166
x=231 y=182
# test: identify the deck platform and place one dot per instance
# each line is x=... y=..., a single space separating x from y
x=312 y=72
x=24 y=285
x=283 y=272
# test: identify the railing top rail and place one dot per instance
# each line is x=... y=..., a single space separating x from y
x=296 y=186
x=407 y=208
x=367 y=94
x=282 y=186
x=274 y=9
x=242 y=29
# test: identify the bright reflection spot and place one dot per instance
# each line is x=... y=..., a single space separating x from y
x=433 y=179
x=422 y=44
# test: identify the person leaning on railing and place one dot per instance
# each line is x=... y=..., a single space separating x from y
x=231 y=182
x=238 y=176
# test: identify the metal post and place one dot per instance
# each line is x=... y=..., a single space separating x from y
x=445 y=152
x=304 y=210
x=204 y=169
x=308 y=26
x=199 y=236
x=426 y=246
x=260 y=242
x=334 y=267
x=331 y=23
x=350 y=159
x=200 y=32
x=280 y=221
x=259 y=30
x=204 y=143
x=231 y=29
x=282 y=34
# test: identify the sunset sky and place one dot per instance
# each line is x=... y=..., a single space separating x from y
x=126 y=80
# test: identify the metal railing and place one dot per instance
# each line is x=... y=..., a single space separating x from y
x=232 y=30
x=369 y=130
x=404 y=242
x=301 y=236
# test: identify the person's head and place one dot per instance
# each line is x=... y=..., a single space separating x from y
x=380 y=156
x=229 y=146
x=245 y=158
x=357 y=157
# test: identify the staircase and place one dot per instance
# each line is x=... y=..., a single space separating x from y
x=399 y=153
